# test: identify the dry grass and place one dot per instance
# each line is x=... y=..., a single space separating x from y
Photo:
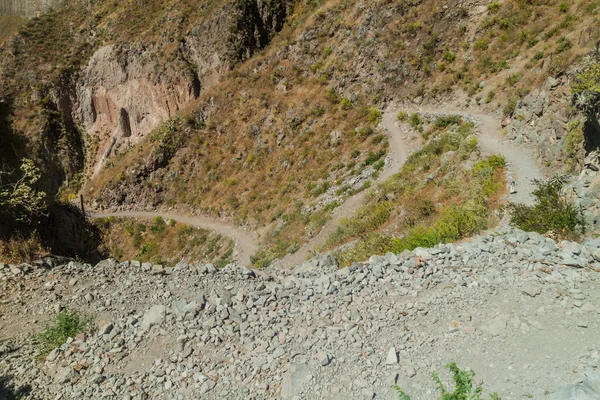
x=163 y=242
x=20 y=249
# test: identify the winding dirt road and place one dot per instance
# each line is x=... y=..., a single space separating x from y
x=245 y=243
x=522 y=169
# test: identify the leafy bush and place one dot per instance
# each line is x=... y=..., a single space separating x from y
x=494 y=6
x=552 y=211
x=415 y=120
x=68 y=324
x=443 y=122
x=373 y=115
x=346 y=104
x=19 y=198
x=464 y=388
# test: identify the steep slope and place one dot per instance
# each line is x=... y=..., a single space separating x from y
x=288 y=135
x=82 y=82
x=272 y=139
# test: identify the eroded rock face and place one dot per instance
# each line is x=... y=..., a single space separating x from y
x=123 y=96
x=126 y=91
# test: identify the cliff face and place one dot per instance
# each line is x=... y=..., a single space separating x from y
x=27 y=8
x=122 y=79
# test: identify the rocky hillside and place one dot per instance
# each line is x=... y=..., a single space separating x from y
x=518 y=308
x=267 y=112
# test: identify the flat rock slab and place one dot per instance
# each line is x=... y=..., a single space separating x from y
x=154 y=316
x=295 y=380
x=531 y=290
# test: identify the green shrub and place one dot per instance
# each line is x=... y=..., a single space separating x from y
x=443 y=122
x=374 y=157
x=449 y=56
x=373 y=115
x=346 y=104
x=510 y=106
x=415 y=120
x=513 y=79
x=401 y=116
x=563 y=44
x=563 y=8
x=551 y=211
x=68 y=324
x=464 y=388
x=481 y=44
x=332 y=95
x=586 y=87
x=494 y=6
x=19 y=199
x=159 y=225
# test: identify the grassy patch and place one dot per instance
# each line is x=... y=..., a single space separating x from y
x=9 y=25
x=433 y=199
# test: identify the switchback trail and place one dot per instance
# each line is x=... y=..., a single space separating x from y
x=522 y=167
x=245 y=244
x=396 y=158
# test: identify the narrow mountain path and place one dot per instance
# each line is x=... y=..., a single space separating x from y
x=522 y=167
x=245 y=243
x=398 y=151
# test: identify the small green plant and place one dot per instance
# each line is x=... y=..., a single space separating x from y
x=346 y=104
x=415 y=120
x=490 y=96
x=563 y=44
x=159 y=225
x=552 y=211
x=563 y=8
x=332 y=95
x=449 y=56
x=513 y=79
x=68 y=324
x=481 y=44
x=445 y=121
x=464 y=388
x=373 y=115
x=494 y=6
x=402 y=115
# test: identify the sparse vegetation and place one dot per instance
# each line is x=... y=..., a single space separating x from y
x=161 y=242
x=464 y=387
x=439 y=210
x=68 y=324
